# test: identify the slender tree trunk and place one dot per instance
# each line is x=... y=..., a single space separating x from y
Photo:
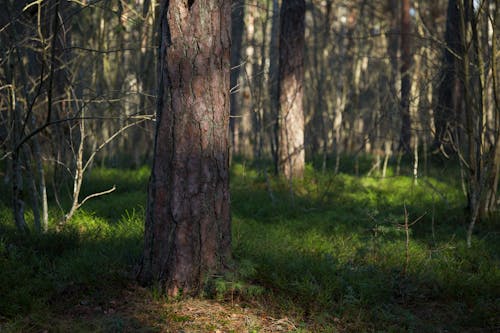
x=473 y=90
x=145 y=75
x=56 y=55
x=17 y=193
x=450 y=86
x=17 y=176
x=321 y=113
x=237 y=18
x=489 y=148
x=406 y=59
x=259 y=82
x=244 y=126
x=492 y=199
x=273 y=81
x=291 y=155
x=188 y=223
x=30 y=178
x=417 y=95
x=78 y=174
x=43 y=187
x=393 y=43
x=317 y=73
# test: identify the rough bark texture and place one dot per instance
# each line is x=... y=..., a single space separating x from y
x=291 y=155
x=406 y=60
x=188 y=227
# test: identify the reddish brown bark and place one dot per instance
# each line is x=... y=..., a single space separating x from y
x=291 y=155
x=188 y=232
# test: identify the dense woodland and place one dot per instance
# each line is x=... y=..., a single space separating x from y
x=297 y=165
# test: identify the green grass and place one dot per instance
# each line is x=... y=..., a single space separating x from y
x=337 y=250
x=331 y=253
x=93 y=258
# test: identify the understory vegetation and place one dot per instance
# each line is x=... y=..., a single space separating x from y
x=331 y=253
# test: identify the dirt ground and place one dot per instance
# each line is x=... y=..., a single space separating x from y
x=136 y=310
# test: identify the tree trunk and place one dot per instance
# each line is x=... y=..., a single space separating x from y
x=33 y=191
x=393 y=43
x=273 y=81
x=406 y=59
x=449 y=88
x=188 y=224
x=17 y=173
x=237 y=17
x=291 y=155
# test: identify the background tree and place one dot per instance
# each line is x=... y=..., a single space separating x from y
x=478 y=142
x=237 y=31
x=406 y=60
x=449 y=86
x=70 y=102
x=291 y=153
x=89 y=65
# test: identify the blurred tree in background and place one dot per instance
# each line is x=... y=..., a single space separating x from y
x=402 y=82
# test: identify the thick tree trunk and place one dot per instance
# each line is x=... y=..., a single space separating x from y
x=188 y=224
x=291 y=155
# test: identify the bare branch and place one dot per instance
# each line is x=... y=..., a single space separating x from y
x=96 y=195
x=111 y=138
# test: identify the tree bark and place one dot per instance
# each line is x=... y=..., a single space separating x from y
x=291 y=155
x=188 y=223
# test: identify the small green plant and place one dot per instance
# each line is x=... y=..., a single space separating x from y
x=233 y=285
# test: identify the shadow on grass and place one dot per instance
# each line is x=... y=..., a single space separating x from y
x=65 y=281
x=333 y=253
x=336 y=248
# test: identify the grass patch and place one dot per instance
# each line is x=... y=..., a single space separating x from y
x=93 y=258
x=329 y=252
x=337 y=249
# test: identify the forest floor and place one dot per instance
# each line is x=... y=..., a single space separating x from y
x=330 y=254
x=134 y=309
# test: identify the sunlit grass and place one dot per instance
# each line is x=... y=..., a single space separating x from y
x=329 y=250
x=339 y=248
